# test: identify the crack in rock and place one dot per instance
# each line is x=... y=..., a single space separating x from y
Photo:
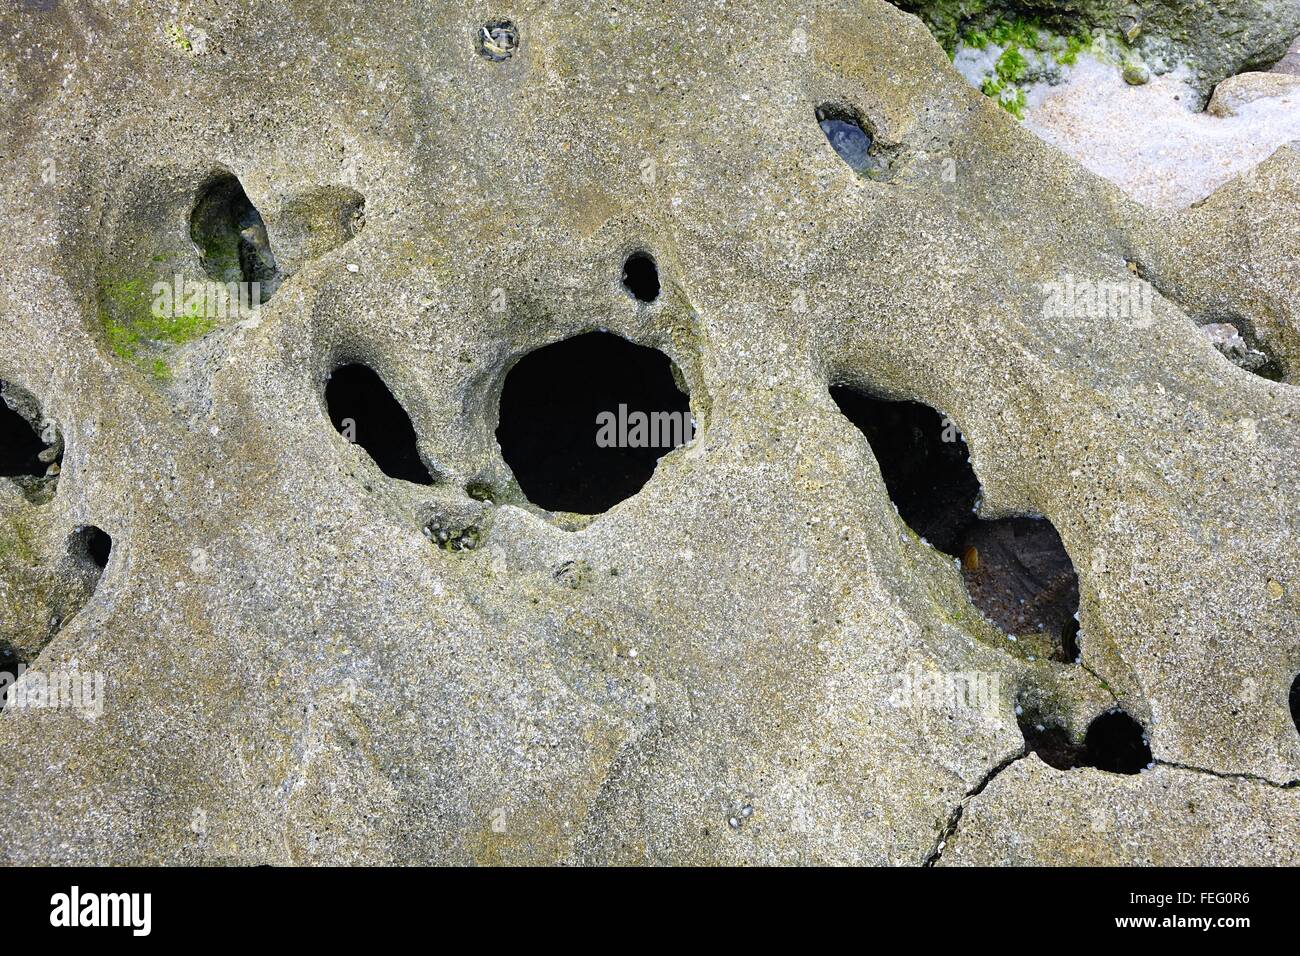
x=947 y=833
x=1223 y=775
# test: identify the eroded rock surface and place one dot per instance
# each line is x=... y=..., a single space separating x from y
x=298 y=665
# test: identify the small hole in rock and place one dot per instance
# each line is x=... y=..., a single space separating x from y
x=1016 y=570
x=583 y=422
x=1070 y=639
x=10 y=662
x=365 y=412
x=22 y=452
x=92 y=544
x=847 y=137
x=231 y=237
x=480 y=491
x=641 y=277
x=497 y=40
x=1116 y=743
x=1237 y=342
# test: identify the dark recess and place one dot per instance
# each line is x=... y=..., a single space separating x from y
x=231 y=236
x=845 y=133
x=20 y=445
x=641 y=277
x=1114 y=742
x=1016 y=569
x=1295 y=702
x=364 y=410
x=93 y=544
x=549 y=407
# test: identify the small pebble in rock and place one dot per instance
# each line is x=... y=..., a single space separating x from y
x=1136 y=74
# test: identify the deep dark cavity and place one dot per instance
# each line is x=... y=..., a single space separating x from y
x=924 y=462
x=9 y=664
x=22 y=452
x=365 y=412
x=231 y=237
x=497 y=40
x=1295 y=702
x=1114 y=742
x=93 y=545
x=641 y=277
x=1016 y=569
x=548 y=420
x=847 y=136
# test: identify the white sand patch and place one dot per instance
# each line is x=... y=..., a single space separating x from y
x=1149 y=140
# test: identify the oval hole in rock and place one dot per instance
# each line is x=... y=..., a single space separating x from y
x=365 y=412
x=641 y=277
x=231 y=237
x=1114 y=742
x=22 y=452
x=583 y=422
x=844 y=131
x=93 y=545
x=1016 y=570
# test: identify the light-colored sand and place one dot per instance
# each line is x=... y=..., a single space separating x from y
x=1147 y=140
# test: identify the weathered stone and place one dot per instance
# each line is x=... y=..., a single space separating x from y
x=1238 y=91
x=717 y=669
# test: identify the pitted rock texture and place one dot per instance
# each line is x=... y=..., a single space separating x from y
x=709 y=671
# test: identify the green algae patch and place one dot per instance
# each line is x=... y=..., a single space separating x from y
x=141 y=332
x=17 y=543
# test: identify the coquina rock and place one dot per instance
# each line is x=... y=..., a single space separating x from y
x=304 y=659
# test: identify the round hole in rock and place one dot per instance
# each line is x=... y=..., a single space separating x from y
x=1016 y=570
x=641 y=277
x=21 y=448
x=365 y=412
x=231 y=237
x=843 y=130
x=584 y=421
x=92 y=544
x=1116 y=743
